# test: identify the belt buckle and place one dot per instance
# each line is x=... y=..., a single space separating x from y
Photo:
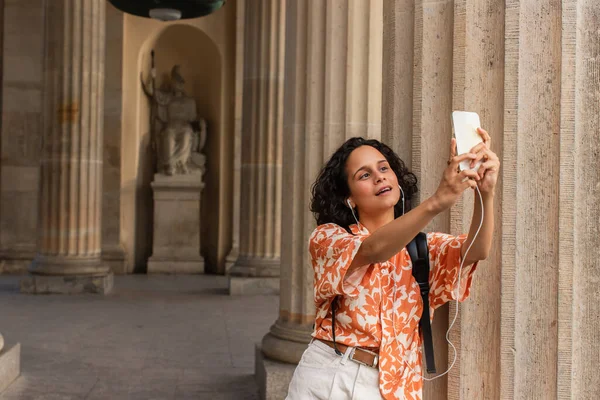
x=375 y=359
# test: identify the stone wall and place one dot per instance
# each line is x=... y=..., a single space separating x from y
x=530 y=69
x=21 y=142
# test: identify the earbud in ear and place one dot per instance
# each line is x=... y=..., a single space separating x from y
x=352 y=211
x=402 y=191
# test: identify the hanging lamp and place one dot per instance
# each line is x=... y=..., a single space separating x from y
x=168 y=10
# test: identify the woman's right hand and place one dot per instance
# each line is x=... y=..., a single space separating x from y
x=454 y=182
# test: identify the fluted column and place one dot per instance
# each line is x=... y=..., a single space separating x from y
x=431 y=133
x=332 y=91
x=240 y=17
x=579 y=273
x=398 y=70
x=477 y=84
x=258 y=263
x=531 y=174
x=69 y=242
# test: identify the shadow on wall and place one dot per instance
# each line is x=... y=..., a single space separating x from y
x=144 y=218
x=201 y=66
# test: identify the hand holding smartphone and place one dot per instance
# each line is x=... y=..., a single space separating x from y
x=465 y=126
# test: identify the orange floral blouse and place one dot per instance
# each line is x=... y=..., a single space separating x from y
x=381 y=303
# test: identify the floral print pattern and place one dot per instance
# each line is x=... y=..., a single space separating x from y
x=380 y=304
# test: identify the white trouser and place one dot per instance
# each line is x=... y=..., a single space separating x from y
x=323 y=375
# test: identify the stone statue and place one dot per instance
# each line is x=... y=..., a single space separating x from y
x=177 y=134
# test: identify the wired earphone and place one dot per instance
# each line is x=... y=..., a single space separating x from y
x=457 y=289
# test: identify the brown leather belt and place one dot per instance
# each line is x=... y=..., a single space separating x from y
x=357 y=354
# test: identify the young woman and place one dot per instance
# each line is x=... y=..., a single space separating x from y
x=361 y=267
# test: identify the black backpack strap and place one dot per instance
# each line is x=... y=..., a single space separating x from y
x=339 y=353
x=419 y=255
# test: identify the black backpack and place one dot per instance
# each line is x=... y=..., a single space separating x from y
x=419 y=255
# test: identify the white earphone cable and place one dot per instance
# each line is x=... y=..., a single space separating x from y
x=457 y=303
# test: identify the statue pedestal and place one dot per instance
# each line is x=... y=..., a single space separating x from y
x=176 y=242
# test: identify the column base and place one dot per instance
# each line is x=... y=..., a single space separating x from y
x=16 y=260
x=71 y=284
x=61 y=266
x=256 y=267
x=273 y=377
x=240 y=286
x=231 y=259
x=10 y=365
x=162 y=266
x=114 y=258
x=285 y=350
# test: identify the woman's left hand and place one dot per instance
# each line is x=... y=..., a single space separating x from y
x=488 y=170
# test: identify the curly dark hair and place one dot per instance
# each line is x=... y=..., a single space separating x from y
x=330 y=190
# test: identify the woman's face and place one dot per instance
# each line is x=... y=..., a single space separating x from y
x=373 y=184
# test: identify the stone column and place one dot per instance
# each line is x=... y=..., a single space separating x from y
x=531 y=199
x=431 y=135
x=69 y=242
x=398 y=69
x=113 y=253
x=477 y=85
x=579 y=224
x=333 y=66
x=257 y=267
x=240 y=17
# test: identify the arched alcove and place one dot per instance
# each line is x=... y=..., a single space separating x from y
x=201 y=67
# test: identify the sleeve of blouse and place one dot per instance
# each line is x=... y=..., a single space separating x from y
x=444 y=261
x=332 y=250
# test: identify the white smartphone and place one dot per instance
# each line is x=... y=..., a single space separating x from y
x=465 y=126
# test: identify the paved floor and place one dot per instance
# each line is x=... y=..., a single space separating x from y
x=154 y=337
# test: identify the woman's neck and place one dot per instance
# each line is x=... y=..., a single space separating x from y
x=374 y=222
